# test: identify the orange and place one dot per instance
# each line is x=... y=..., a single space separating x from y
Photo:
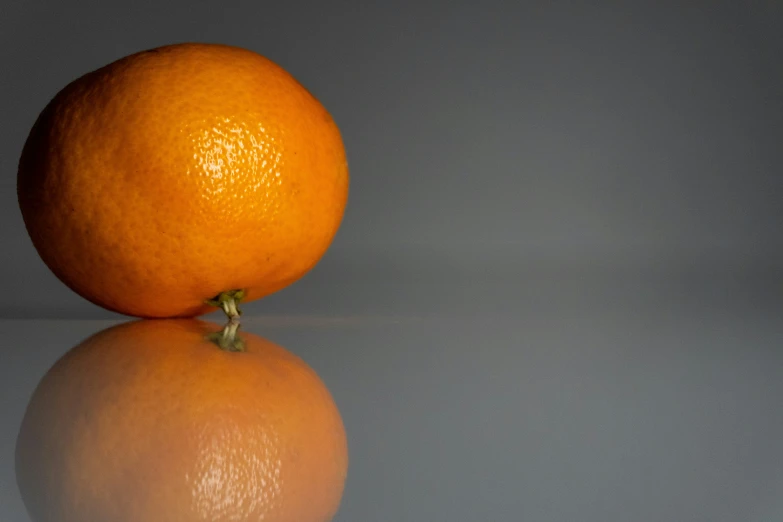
x=163 y=179
x=148 y=421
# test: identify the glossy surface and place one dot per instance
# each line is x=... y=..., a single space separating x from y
x=623 y=393
x=163 y=179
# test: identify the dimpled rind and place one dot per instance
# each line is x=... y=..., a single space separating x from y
x=167 y=177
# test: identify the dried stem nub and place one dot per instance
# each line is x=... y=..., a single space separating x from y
x=229 y=302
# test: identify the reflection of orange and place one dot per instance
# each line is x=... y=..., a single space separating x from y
x=148 y=421
x=165 y=178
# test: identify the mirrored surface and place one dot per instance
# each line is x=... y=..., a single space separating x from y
x=593 y=396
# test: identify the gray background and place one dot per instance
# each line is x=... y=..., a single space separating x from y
x=555 y=295
x=487 y=134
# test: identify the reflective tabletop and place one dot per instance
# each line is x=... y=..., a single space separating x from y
x=591 y=395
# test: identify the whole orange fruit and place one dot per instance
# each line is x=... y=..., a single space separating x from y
x=170 y=176
x=149 y=421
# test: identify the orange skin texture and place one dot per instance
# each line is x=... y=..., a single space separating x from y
x=148 y=421
x=169 y=176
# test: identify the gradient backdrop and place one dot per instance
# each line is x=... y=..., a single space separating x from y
x=559 y=275
x=492 y=133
